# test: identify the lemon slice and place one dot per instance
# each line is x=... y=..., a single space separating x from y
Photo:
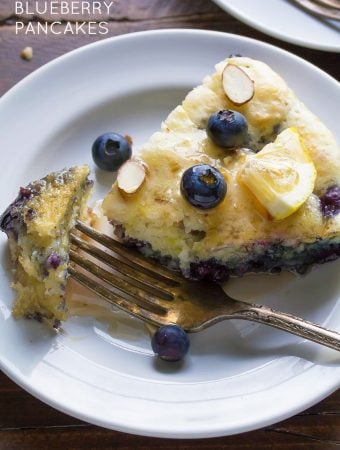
x=281 y=176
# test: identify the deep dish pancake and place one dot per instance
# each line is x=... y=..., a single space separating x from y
x=238 y=235
x=37 y=224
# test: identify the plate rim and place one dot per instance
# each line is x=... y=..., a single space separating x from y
x=165 y=434
x=132 y=35
x=272 y=32
x=21 y=381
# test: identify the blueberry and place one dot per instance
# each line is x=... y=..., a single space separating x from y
x=330 y=201
x=203 y=186
x=25 y=192
x=170 y=343
x=6 y=220
x=110 y=151
x=31 y=214
x=228 y=128
x=53 y=261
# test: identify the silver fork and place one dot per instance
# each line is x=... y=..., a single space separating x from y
x=160 y=296
x=323 y=8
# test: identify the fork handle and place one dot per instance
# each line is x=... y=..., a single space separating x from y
x=292 y=324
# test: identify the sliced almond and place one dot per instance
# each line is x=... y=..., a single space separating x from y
x=140 y=161
x=131 y=176
x=237 y=85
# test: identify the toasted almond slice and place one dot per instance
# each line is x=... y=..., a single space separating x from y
x=140 y=161
x=237 y=85
x=131 y=176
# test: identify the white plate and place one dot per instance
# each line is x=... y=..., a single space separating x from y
x=238 y=376
x=285 y=20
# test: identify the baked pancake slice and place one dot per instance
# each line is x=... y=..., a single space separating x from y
x=37 y=224
x=280 y=207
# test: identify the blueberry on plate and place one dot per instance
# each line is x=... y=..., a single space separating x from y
x=110 y=151
x=228 y=129
x=170 y=343
x=203 y=186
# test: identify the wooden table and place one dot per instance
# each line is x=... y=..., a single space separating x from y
x=26 y=423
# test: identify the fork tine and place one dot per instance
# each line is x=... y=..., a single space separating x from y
x=117 y=283
x=318 y=9
x=131 y=258
x=330 y=3
x=116 y=300
x=135 y=277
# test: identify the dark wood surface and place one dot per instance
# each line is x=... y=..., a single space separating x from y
x=27 y=423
